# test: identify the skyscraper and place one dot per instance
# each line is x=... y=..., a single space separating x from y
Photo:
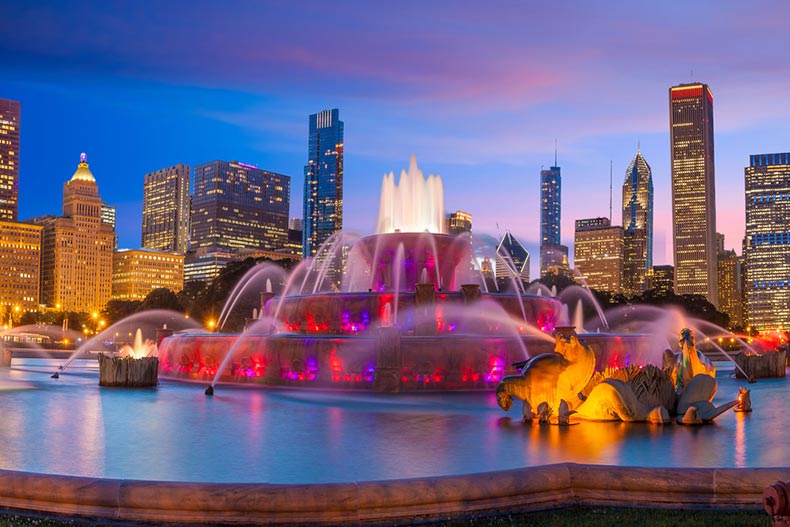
x=9 y=160
x=512 y=261
x=637 y=225
x=598 y=254
x=550 y=211
x=239 y=206
x=323 y=181
x=693 y=190
x=166 y=210
x=77 y=248
x=767 y=185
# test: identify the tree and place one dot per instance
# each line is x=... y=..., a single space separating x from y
x=160 y=298
x=116 y=310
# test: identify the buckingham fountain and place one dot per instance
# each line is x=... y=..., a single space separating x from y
x=387 y=361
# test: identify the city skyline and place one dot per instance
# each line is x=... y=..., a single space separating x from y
x=479 y=97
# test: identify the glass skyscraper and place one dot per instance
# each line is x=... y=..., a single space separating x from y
x=239 y=206
x=767 y=247
x=693 y=190
x=9 y=159
x=166 y=210
x=550 y=210
x=637 y=225
x=323 y=181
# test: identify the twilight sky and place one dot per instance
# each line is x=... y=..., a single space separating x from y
x=478 y=91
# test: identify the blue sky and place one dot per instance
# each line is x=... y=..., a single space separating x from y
x=478 y=91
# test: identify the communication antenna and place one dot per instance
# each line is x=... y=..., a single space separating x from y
x=555 y=151
x=610 y=190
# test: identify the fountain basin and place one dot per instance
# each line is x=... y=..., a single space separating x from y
x=329 y=457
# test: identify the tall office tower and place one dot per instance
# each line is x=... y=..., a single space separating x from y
x=512 y=262
x=295 y=224
x=768 y=241
x=598 y=254
x=661 y=278
x=9 y=159
x=137 y=272
x=76 y=248
x=459 y=222
x=166 y=210
x=637 y=225
x=20 y=252
x=693 y=190
x=550 y=211
x=730 y=293
x=239 y=206
x=323 y=181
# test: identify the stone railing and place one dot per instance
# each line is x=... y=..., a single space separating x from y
x=519 y=490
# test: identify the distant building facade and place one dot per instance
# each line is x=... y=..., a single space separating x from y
x=137 y=272
x=20 y=253
x=512 y=261
x=459 y=222
x=637 y=225
x=730 y=280
x=661 y=278
x=239 y=206
x=10 y=119
x=767 y=245
x=550 y=216
x=693 y=190
x=77 y=248
x=166 y=209
x=598 y=254
x=554 y=260
x=323 y=181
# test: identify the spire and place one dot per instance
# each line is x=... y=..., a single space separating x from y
x=638 y=147
x=555 y=151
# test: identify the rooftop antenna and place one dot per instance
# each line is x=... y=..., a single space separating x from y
x=610 y=190
x=555 y=151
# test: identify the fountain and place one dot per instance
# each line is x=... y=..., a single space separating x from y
x=401 y=305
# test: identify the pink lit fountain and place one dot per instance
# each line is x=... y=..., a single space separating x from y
x=404 y=309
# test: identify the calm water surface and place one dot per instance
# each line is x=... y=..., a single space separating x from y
x=174 y=432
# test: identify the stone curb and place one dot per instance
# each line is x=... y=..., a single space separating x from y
x=372 y=502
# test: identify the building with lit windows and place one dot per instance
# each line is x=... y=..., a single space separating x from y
x=205 y=264
x=10 y=113
x=512 y=261
x=166 y=209
x=637 y=225
x=767 y=246
x=20 y=252
x=239 y=206
x=459 y=222
x=323 y=181
x=77 y=248
x=554 y=260
x=550 y=213
x=693 y=190
x=137 y=272
x=661 y=278
x=598 y=254
x=730 y=293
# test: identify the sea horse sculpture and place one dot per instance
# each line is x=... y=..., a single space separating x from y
x=553 y=383
x=550 y=378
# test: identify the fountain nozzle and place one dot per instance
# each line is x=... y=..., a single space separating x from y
x=55 y=375
x=210 y=390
